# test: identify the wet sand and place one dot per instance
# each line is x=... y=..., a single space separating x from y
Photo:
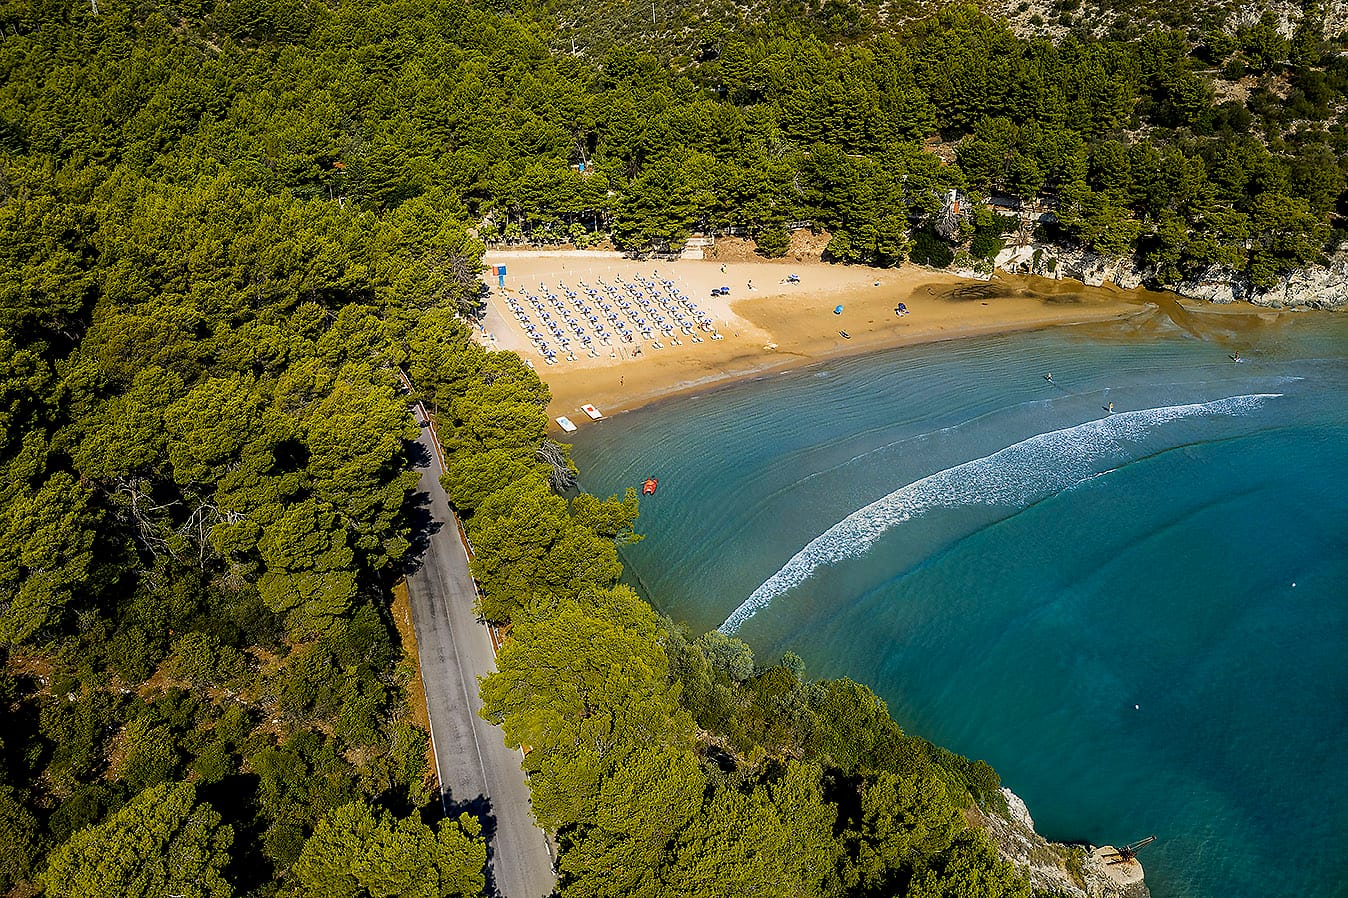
x=779 y=326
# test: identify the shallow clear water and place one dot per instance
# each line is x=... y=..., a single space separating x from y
x=1100 y=606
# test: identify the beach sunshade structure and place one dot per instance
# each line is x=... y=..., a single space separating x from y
x=837 y=310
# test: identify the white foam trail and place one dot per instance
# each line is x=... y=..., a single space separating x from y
x=1036 y=467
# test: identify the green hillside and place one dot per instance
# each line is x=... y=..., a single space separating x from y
x=225 y=224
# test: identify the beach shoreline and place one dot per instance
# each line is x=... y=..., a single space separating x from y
x=769 y=326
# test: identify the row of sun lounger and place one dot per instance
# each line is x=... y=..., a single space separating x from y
x=625 y=311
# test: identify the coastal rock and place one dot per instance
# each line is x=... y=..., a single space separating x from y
x=1059 y=263
x=1107 y=874
x=1308 y=288
x=1219 y=285
x=1316 y=287
x=1129 y=277
x=1055 y=869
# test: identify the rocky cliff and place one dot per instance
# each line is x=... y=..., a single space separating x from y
x=1065 y=870
x=1319 y=287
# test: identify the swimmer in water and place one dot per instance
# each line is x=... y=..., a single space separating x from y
x=1049 y=377
x=1110 y=408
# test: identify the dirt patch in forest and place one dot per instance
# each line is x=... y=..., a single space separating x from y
x=807 y=245
x=734 y=249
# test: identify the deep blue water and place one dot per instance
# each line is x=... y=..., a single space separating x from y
x=1140 y=619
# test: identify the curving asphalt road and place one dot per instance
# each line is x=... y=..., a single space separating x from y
x=477 y=772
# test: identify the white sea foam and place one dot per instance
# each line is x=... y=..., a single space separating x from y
x=1021 y=473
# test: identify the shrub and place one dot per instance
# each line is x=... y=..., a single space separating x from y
x=985 y=246
x=201 y=660
x=929 y=249
x=773 y=241
x=728 y=654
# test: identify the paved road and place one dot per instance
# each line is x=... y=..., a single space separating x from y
x=477 y=772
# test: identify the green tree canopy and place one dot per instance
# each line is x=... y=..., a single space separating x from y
x=358 y=852
x=585 y=683
x=163 y=843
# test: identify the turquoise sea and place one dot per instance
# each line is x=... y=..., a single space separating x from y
x=1139 y=618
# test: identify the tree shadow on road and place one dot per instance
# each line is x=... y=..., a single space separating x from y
x=418 y=507
x=479 y=807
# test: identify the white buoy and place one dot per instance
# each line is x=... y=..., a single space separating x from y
x=1137 y=707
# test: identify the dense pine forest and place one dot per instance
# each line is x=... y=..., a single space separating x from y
x=226 y=225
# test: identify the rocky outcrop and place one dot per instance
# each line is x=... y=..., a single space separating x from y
x=1308 y=288
x=1317 y=287
x=1219 y=285
x=1047 y=260
x=1041 y=18
x=1321 y=287
x=1066 y=870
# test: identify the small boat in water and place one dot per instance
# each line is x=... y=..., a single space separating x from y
x=648 y=488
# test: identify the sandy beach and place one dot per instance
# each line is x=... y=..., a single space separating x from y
x=775 y=325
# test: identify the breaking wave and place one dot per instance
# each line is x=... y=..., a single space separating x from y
x=1016 y=475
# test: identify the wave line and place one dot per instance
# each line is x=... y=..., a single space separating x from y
x=1035 y=467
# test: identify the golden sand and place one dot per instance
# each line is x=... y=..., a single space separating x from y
x=776 y=325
